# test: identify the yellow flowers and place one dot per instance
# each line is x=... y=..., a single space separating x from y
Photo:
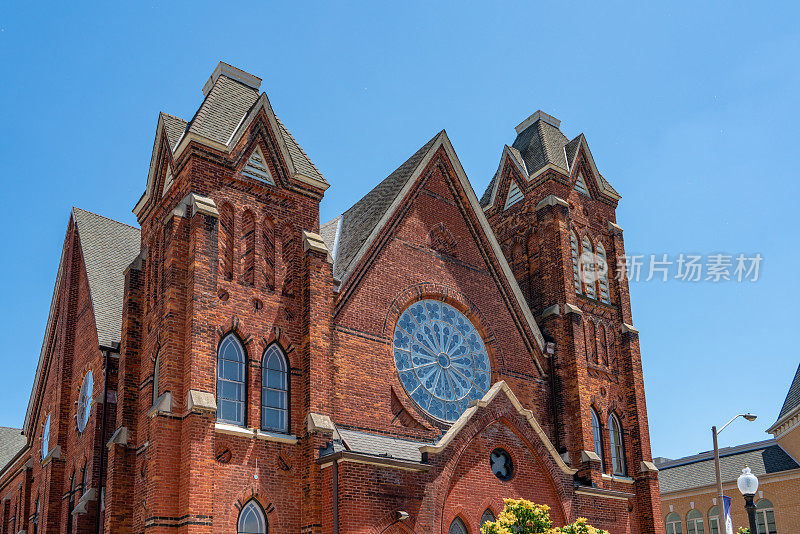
x=524 y=517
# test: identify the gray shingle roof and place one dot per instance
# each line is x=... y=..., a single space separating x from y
x=327 y=231
x=793 y=397
x=175 y=128
x=359 y=221
x=108 y=248
x=11 y=442
x=223 y=110
x=377 y=445
x=763 y=457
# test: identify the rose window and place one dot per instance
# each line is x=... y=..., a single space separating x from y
x=440 y=358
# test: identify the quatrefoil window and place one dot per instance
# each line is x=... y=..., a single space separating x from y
x=440 y=358
x=501 y=464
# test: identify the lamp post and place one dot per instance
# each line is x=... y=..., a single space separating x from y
x=715 y=433
x=748 y=485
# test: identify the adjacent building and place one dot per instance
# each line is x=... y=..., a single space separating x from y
x=233 y=365
x=688 y=485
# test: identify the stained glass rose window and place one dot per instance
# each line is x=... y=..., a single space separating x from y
x=440 y=358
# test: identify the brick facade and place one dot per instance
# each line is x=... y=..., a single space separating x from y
x=222 y=253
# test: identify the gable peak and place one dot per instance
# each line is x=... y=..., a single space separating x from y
x=538 y=116
x=229 y=71
x=256 y=167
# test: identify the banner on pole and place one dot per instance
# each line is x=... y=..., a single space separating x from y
x=726 y=505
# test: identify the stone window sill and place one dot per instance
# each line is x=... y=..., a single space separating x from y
x=618 y=478
x=254 y=433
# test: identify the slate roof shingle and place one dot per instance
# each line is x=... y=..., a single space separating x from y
x=175 y=128
x=108 y=248
x=359 y=221
x=763 y=457
x=378 y=445
x=11 y=442
x=793 y=396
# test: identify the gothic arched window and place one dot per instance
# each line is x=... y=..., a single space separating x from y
x=252 y=519
x=230 y=381
x=673 y=524
x=588 y=267
x=765 y=517
x=457 y=527
x=46 y=437
x=602 y=273
x=573 y=241
x=694 y=522
x=274 y=390
x=617 y=446
x=597 y=437
x=487 y=517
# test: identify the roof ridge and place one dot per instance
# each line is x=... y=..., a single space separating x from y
x=107 y=218
x=10 y=428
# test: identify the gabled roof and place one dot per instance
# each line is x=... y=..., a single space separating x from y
x=697 y=471
x=11 y=442
x=231 y=102
x=108 y=248
x=359 y=221
x=516 y=158
x=792 y=401
x=540 y=143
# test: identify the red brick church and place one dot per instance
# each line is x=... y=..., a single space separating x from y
x=235 y=366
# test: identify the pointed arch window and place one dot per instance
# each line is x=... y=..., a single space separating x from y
x=275 y=390
x=597 y=437
x=257 y=169
x=713 y=520
x=457 y=527
x=765 y=517
x=230 y=381
x=588 y=267
x=673 y=524
x=46 y=437
x=602 y=272
x=617 y=446
x=694 y=522
x=488 y=517
x=573 y=239
x=252 y=519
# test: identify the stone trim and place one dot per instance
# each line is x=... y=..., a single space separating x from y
x=551 y=200
x=312 y=241
x=163 y=404
x=604 y=493
x=201 y=401
x=53 y=454
x=571 y=308
x=204 y=205
x=628 y=329
x=589 y=456
x=120 y=437
x=316 y=422
x=368 y=459
x=648 y=467
x=555 y=309
x=87 y=497
x=276 y=437
x=614 y=228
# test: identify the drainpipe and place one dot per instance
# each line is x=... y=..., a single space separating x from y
x=335 y=497
x=551 y=348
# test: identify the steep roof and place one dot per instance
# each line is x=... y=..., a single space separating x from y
x=108 y=248
x=360 y=220
x=11 y=442
x=175 y=128
x=763 y=457
x=792 y=397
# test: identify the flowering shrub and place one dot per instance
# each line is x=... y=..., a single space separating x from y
x=524 y=517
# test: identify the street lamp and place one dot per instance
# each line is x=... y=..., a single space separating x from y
x=714 y=432
x=748 y=485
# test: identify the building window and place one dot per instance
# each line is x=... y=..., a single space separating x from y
x=694 y=522
x=85 y=401
x=597 y=436
x=488 y=517
x=713 y=520
x=573 y=241
x=440 y=358
x=46 y=437
x=588 y=267
x=617 y=446
x=457 y=527
x=501 y=464
x=602 y=273
x=230 y=381
x=252 y=519
x=673 y=524
x=274 y=390
x=765 y=517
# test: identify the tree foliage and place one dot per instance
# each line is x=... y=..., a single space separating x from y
x=524 y=517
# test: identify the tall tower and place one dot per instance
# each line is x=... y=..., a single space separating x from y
x=554 y=215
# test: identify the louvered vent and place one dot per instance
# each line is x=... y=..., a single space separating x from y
x=257 y=169
x=167 y=182
x=580 y=185
x=514 y=195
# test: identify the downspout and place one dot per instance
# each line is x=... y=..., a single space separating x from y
x=103 y=448
x=554 y=397
x=335 y=497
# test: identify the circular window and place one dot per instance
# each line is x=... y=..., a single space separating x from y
x=440 y=358
x=85 y=401
x=501 y=464
x=46 y=438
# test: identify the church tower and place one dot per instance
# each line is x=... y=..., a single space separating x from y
x=554 y=215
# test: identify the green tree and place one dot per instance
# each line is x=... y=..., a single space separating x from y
x=743 y=530
x=524 y=517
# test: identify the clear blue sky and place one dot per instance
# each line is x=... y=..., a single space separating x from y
x=691 y=113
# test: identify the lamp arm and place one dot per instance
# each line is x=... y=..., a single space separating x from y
x=729 y=422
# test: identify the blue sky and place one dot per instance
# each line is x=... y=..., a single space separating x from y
x=691 y=112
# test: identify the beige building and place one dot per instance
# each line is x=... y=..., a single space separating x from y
x=688 y=485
